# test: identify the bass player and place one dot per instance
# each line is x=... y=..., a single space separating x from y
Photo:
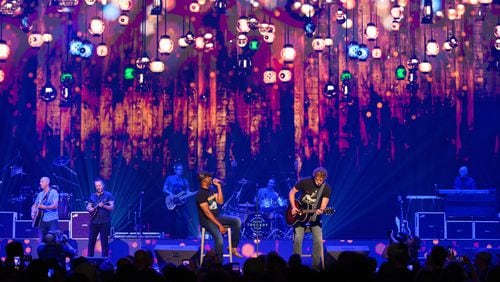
x=100 y=206
x=181 y=212
x=315 y=194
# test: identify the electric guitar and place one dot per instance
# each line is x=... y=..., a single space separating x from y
x=93 y=213
x=305 y=213
x=401 y=222
x=171 y=201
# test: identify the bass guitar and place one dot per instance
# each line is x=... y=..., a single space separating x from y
x=305 y=213
x=179 y=199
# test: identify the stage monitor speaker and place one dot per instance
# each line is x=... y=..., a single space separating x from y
x=335 y=251
x=7 y=227
x=174 y=254
x=96 y=260
x=79 y=227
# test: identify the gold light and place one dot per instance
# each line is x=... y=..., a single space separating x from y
x=96 y=26
x=102 y=50
x=288 y=53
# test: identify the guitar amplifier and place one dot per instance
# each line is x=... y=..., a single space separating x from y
x=25 y=230
x=7 y=226
x=459 y=230
x=486 y=230
x=430 y=225
x=79 y=226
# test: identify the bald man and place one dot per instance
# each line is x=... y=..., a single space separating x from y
x=463 y=180
x=46 y=202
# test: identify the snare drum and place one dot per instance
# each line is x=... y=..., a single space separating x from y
x=257 y=225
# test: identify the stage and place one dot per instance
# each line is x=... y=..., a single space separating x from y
x=177 y=250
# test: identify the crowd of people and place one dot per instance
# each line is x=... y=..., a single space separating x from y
x=441 y=265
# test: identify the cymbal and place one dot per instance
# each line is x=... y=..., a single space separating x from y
x=246 y=205
x=60 y=161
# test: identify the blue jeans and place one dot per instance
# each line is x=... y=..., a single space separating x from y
x=212 y=229
x=45 y=227
x=317 y=236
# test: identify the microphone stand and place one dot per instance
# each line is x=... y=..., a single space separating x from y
x=139 y=217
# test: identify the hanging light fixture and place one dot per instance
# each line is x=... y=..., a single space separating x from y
x=101 y=49
x=125 y=5
x=269 y=76
x=143 y=60
x=428 y=14
x=432 y=48
x=242 y=40
x=330 y=89
x=242 y=25
x=35 y=39
x=397 y=12
x=285 y=75
x=165 y=44
x=48 y=92
x=90 y=2
x=123 y=19
x=157 y=66
x=287 y=52
x=4 y=47
x=497 y=30
x=194 y=7
x=425 y=66
x=96 y=26
x=376 y=52
x=220 y=6
x=340 y=16
x=371 y=32
x=157 y=8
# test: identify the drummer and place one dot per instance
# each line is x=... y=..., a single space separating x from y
x=267 y=197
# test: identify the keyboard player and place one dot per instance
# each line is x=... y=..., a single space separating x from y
x=463 y=180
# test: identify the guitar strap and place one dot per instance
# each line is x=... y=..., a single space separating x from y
x=318 y=200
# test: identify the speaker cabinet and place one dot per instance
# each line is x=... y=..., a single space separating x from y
x=335 y=251
x=79 y=226
x=24 y=229
x=486 y=230
x=174 y=254
x=7 y=226
x=459 y=230
x=430 y=225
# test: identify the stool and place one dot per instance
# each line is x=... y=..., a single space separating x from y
x=202 y=247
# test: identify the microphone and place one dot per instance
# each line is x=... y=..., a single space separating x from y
x=218 y=180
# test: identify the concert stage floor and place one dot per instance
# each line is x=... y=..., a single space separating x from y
x=177 y=250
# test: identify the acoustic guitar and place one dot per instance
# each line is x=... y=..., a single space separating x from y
x=305 y=213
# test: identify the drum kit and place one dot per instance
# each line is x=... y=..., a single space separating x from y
x=261 y=220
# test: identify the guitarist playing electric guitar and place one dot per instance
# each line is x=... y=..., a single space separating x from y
x=316 y=193
x=44 y=211
x=180 y=220
x=100 y=207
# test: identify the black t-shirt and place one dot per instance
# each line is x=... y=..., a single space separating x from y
x=206 y=196
x=103 y=215
x=309 y=191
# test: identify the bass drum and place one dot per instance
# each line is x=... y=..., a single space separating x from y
x=257 y=225
x=63 y=208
